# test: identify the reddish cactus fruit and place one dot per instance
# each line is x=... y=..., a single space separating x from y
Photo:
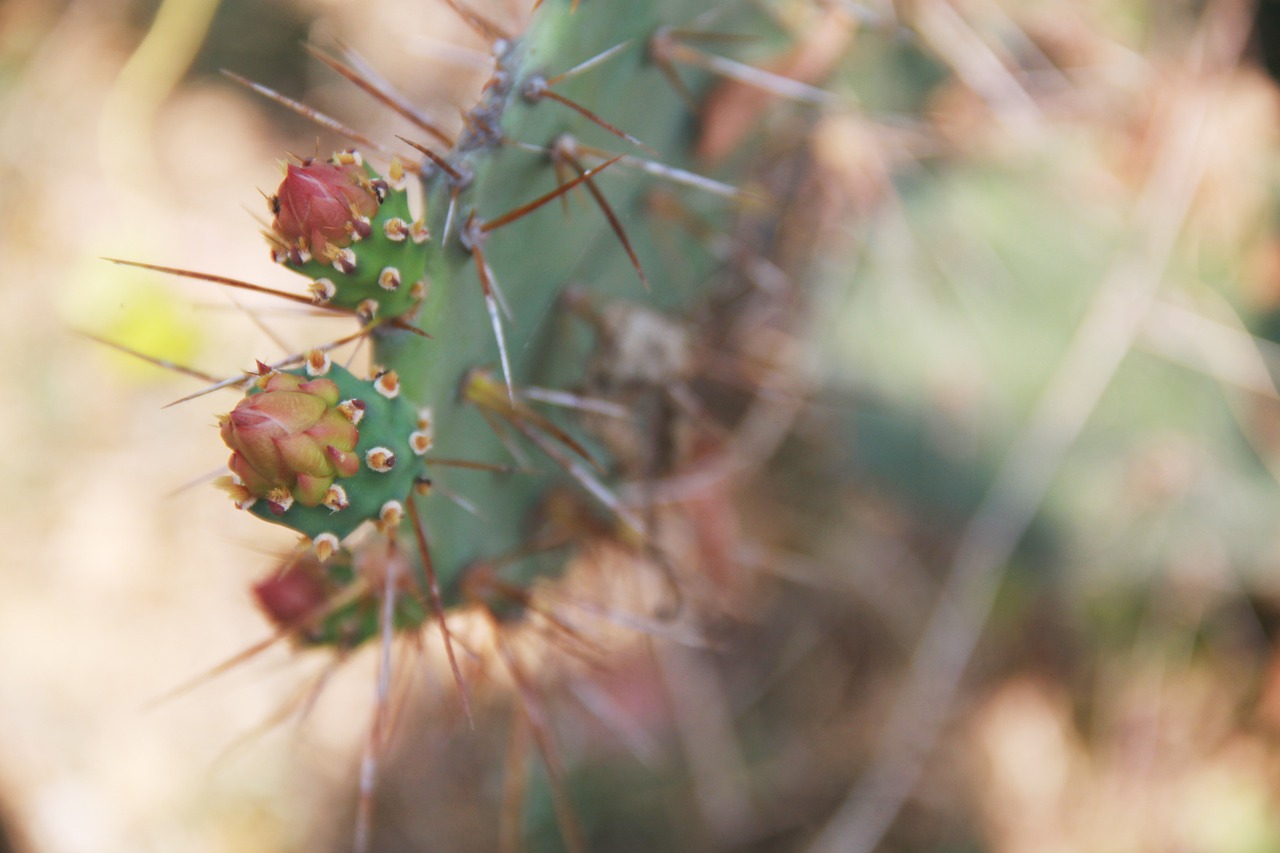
x=290 y=440
x=321 y=204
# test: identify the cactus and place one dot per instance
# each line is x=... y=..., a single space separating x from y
x=478 y=311
x=525 y=301
x=482 y=253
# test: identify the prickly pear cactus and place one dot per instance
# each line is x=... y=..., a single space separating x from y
x=539 y=271
x=463 y=304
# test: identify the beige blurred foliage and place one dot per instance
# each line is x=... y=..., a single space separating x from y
x=120 y=584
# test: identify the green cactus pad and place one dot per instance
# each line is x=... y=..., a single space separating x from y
x=389 y=264
x=387 y=423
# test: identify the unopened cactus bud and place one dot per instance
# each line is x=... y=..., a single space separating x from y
x=351 y=232
x=294 y=437
x=323 y=204
x=290 y=440
x=298 y=599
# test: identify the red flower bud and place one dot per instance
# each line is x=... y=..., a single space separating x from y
x=292 y=436
x=320 y=204
x=290 y=595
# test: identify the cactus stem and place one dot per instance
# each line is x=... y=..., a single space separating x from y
x=383 y=96
x=437 y=607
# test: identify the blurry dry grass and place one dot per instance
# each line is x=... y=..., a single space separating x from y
x=1039 y=266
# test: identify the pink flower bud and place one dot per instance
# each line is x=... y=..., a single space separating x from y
x=320 y=204
x=292 y=436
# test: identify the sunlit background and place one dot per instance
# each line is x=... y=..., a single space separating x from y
x=1043 y=295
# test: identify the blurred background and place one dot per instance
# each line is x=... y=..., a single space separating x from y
x=1011 y=583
